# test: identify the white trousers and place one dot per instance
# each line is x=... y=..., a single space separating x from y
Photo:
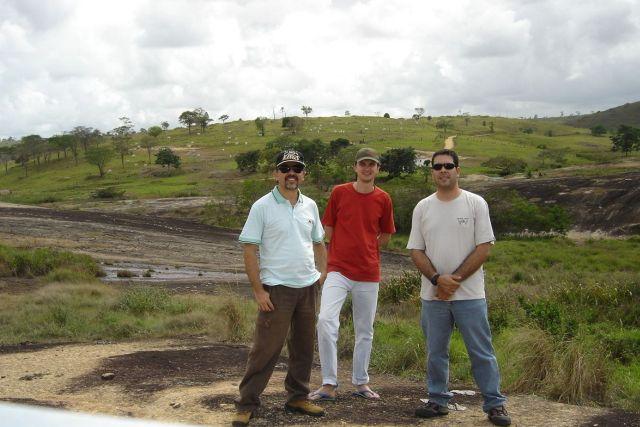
x=364 y=296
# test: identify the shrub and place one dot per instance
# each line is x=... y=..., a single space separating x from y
x=505 y=165
x=401 y=288
x=398 y=161
x=144 y=300
x=41 y=261
x=248 y=161
x=107 y=193
x=125 y=274
x=512 y=213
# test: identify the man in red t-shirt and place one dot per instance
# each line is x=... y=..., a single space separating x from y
x=357 y=222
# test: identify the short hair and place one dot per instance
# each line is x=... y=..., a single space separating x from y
x=446 y=152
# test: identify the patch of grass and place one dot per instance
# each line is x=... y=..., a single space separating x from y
x=84 y=312
x=44 y=261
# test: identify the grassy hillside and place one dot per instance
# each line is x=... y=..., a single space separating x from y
x=627 y=114
x=208 y=166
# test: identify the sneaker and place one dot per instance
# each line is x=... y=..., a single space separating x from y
x=499 y=416
x=303 y=406
x=241 y=418
x=430 y=410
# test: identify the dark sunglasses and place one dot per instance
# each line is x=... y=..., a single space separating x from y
x=439 y=166
x=295 y=168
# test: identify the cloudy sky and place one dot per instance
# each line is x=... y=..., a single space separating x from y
x=65 y=63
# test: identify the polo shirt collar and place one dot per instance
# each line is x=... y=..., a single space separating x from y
x=280 y=198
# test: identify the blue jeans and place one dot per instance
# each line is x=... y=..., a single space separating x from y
x=470 y=316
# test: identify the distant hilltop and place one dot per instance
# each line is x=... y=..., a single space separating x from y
x=627 y=114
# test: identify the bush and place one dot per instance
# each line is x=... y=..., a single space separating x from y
x=41 y=261
x=146 y=300
x=505 y=165
x=166 y=156
x=401 y=288
x=107 y=193
x=405 y=193
x=512 y=213
x=398 y=161
x=248 y=161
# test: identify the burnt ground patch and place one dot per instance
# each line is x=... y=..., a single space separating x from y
x=615 y=418
x=396 y=407
x=29 y=346
x=34 y=402
x=145 y=372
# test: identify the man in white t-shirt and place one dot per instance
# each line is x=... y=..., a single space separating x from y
x=450 y=239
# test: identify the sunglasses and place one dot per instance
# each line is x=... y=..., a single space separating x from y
x=295 y=168
x=439 y=166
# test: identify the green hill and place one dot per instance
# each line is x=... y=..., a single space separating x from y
x=209 y=169
x=627 y=114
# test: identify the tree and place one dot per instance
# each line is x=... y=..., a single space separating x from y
x=63 y=142
x=626 y=139
x=84 y=135
x=419 y=112
x=223 y=118
x=165 y=125
x=166 y=156
x=202 y=118
x=306 y=110
x=148 y=142
x=187 y=118
x=121 y=138
x=6 y=155
x=598 y=130
x=293 y=124
x=347 y=113
x=444 y=124
x=338 y=144
x=398 y=161
x=260 y=124
x=248 y=161
x=386 y=116
x=99 y=156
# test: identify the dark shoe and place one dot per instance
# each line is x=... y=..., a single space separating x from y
x=241 y=418
x=303 y=406
x=431 y=409
x=499 y=416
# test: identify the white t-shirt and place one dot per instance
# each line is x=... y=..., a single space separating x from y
x=448 y=232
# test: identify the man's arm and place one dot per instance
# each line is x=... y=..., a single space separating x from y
x=252 y=269
x=474 y=261
x=320 y=255
x=447 y=283
x=328 y=232
x=383 y=239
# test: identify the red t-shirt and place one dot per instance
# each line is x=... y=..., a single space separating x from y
x=357 y=220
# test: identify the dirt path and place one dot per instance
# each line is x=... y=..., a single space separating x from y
x=449 y=142
x=195 y=381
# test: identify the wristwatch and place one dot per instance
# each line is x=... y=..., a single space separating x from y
x=434 y=279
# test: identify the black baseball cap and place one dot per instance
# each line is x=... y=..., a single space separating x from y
x=290 y=156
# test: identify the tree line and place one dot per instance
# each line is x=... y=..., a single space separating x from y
x=97 y=147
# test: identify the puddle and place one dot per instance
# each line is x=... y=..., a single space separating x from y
x=154 y=273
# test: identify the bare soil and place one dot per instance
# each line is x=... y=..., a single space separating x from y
x=192 y=379
x=195 y=381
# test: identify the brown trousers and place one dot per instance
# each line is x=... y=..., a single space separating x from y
x=295 y=308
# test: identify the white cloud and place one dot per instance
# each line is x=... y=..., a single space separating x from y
x=65 y=63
